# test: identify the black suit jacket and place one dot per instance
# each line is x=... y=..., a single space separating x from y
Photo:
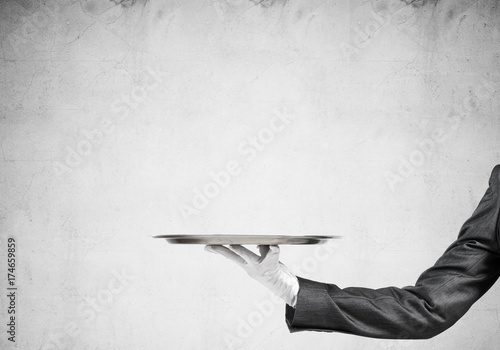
x=441 y=295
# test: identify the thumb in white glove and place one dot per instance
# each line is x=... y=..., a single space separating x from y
x=265 y=269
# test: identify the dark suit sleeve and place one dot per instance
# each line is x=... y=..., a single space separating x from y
x=441 y=295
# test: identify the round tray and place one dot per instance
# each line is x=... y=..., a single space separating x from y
x=223 y=239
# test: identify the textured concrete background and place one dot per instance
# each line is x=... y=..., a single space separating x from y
x=376 y=120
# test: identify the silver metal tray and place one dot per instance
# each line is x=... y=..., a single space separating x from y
x=219 y=239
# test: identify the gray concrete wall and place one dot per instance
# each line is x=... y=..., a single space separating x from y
x=375 y=120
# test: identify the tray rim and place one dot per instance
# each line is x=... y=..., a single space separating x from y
x=249 y=238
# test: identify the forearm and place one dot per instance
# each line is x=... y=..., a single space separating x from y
x=439 y=299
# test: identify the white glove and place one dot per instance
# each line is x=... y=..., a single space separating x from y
x=265 y=269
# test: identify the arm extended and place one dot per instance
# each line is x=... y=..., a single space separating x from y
x=441 y=295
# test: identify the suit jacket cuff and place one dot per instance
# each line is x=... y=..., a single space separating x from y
x=310 y=312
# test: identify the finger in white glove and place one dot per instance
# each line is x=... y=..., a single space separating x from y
x=265 y=268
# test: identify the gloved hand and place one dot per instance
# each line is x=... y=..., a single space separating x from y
x=265 y=269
